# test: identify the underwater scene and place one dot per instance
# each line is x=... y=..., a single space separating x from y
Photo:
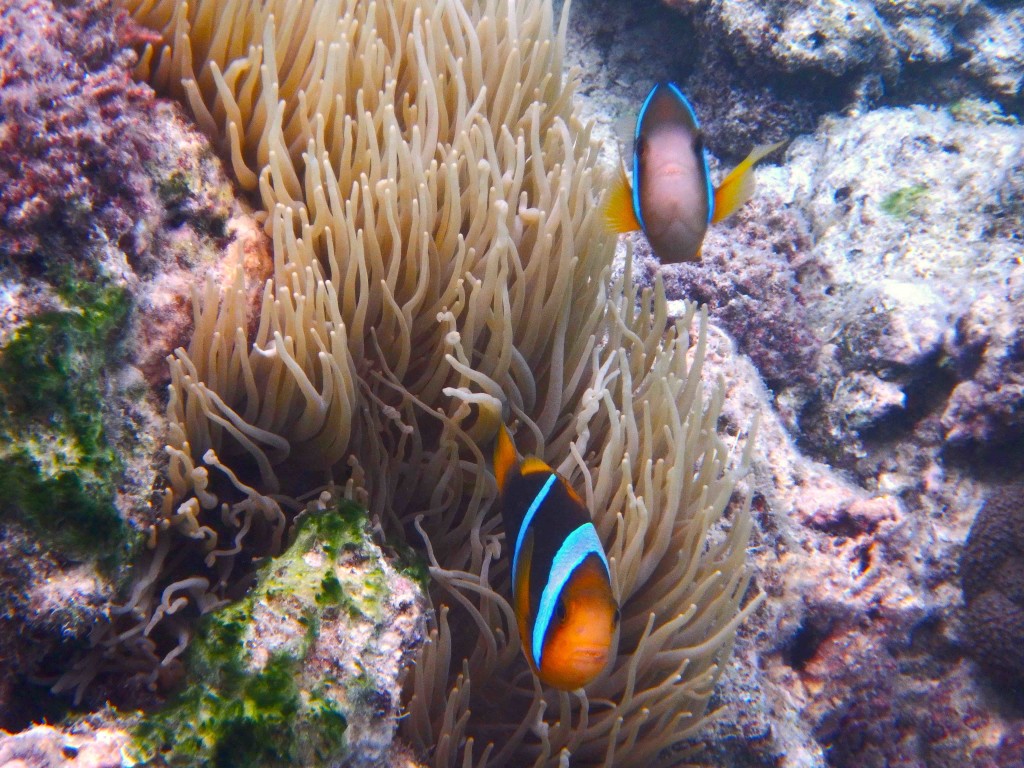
x=512 y=383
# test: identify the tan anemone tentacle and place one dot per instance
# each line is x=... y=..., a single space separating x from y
x=439 y=266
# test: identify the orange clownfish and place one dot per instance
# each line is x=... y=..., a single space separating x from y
x=672 y=199
x=561 y=583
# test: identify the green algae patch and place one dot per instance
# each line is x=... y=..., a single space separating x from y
x=250 y=696
x=980 y=112
x=58 y=471
x=906 y=201
x=238 y=717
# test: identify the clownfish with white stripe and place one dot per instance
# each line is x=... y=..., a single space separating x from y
x=561 y=583
x=672 y=199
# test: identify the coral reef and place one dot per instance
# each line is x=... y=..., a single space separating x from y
x=864 y=643
x=70 y=137
x=75 y=457
x=48 y=608
x=306 y=669
x=426 y=264
x=858 y=657
x=908 y=276
x=624 y=48
x=993 y=585
x=750 y=281
x=908 y=270
x=44 y=746
x=61 y=482
x=987 y=351
x=763 y=72
x=870 y=46
x=96 y=268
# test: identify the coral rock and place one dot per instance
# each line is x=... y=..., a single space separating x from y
x=992 y=572
x=70 y=140
x=46 y=747
x=988 y=347
x=748 y=277
x=317 y=652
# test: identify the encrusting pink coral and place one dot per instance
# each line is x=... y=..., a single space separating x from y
x=70 y=138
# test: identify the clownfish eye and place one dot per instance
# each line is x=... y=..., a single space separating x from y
x=641 y=146
x=561 y=611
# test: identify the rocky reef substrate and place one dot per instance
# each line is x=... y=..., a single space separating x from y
x=868 y=311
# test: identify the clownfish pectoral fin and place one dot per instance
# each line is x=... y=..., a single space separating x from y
x=738 y=186
x=504 y=456
x=619 y=215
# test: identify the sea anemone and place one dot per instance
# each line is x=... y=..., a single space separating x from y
x=440 y=267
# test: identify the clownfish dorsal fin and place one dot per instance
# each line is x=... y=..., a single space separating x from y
x=505 y=456
x=619 y=215
x=738 y=186
x=532 y=465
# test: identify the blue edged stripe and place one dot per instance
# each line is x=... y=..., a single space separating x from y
x=636 y=157
x=577 y=546
x=534 y=506
x=709 y=190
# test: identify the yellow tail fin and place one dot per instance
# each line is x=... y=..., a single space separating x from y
x=618 y=208
x=738 y=186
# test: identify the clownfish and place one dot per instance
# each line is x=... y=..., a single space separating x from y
x=672 y=199
x=561 y=583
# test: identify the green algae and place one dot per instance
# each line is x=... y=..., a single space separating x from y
x=237 y=712
x=980 y=112
x=58 y=470
x=238 y=717
x=905 y=201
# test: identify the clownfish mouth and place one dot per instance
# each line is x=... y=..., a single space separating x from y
x=589 y=656
x=671 y=170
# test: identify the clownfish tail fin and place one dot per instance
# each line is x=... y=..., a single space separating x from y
x=504 y=456
x=738 y=186
x=619 y=216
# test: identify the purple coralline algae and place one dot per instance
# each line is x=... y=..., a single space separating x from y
x=70 y=135
x=750 y=280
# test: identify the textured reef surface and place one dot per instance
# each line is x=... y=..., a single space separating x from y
x=866 y=310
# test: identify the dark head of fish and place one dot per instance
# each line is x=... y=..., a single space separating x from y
x=672 y=194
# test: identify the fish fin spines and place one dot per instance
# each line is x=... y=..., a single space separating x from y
x=619 y=215
x=505 y=457
x=738 y=186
